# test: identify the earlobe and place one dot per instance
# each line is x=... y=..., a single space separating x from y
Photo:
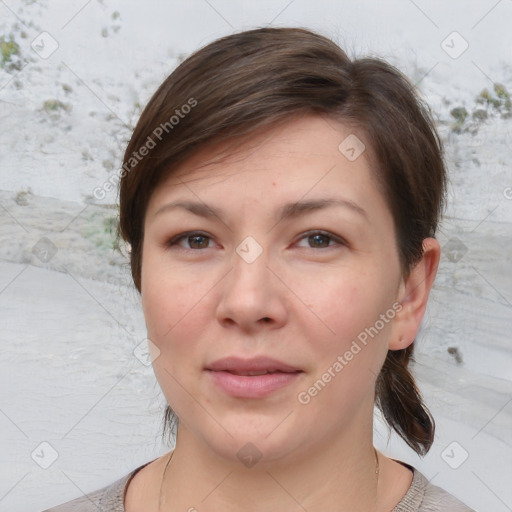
x=413 y=296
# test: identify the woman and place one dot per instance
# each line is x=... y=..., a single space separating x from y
x=281 y=203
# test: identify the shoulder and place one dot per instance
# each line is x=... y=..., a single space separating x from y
x=437 y=498
x=422 y=496
x=107 y=499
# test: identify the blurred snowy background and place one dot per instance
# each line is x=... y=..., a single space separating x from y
x=74 y=76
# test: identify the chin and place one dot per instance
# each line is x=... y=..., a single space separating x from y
x=253 y=440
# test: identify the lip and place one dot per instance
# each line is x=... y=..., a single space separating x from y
x=251 y=386
x=255 y=364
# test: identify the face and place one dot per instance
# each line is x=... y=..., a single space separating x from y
x=256 y=275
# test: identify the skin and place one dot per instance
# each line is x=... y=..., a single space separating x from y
x=302 y=301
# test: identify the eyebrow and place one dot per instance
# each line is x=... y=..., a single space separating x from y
x=288 y=211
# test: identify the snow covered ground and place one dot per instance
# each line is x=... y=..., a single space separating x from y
x=70 y=318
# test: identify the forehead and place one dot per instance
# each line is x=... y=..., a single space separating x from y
x=307 y=155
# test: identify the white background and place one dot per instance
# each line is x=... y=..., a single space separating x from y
x=69 y=325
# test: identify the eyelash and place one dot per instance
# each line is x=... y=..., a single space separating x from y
x=175 y=240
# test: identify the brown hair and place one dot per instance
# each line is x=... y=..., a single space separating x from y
x=259 y=78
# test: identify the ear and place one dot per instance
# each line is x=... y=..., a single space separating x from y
x=413 y=295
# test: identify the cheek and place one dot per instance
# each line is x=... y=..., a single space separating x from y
x=350 y=309
x=159 y=303
x=173 y=319
x=167 y=309
x=351 y=302
x=174 y=310
x=164 y=298
x=348 y=357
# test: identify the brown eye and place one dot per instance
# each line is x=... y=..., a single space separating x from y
x=321 y=240
x=195 y=239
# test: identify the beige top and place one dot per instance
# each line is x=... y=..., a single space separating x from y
x=421 y=497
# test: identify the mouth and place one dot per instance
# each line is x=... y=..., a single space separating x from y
x=254 y=373
x=251 y=378
x=254 y=366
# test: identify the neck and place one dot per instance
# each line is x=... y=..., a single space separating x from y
x=337 y=474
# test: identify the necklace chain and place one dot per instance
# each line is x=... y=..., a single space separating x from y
x=377 y=471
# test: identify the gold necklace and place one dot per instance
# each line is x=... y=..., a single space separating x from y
x=377 y=471
x=162 y=483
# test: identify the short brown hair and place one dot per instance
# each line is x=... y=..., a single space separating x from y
x=259 y=78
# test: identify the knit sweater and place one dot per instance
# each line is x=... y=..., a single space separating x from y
x=420 y=497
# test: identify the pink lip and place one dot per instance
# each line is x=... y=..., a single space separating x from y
x=256 y=386
x=239 y=365
x=251 y=386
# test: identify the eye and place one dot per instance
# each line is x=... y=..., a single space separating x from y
x=321 y=239
x=196 y=239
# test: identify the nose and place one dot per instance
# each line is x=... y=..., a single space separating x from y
x=253 y=297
